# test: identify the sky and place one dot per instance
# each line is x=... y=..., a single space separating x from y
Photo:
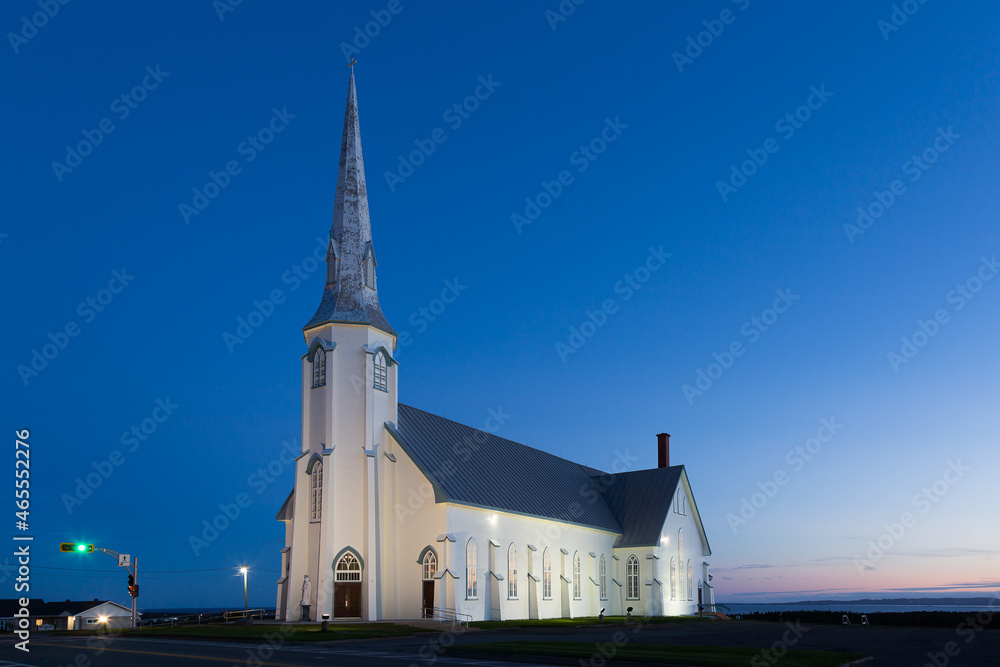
x=768 y=229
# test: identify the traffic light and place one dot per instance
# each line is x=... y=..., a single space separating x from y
x=133 y=590
x=75 y=547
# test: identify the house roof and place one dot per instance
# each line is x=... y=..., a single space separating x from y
x=472 y=467
x=39 y=608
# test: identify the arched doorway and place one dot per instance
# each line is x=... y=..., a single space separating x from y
x=347 y=587
x=428 y=570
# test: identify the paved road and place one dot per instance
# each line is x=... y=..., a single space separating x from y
x=129 y=652
x=891 y=647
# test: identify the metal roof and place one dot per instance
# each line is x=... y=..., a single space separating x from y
x=473 y=467
x=640 y=501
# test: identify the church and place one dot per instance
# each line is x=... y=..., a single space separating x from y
x=397 y=513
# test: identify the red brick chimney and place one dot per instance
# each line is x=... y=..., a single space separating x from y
x=663 y=449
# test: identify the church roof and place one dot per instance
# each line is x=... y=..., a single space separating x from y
x=348 y=296
x=640 y=500
x=472 y=467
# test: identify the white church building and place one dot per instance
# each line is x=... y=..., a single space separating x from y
x=397 y=513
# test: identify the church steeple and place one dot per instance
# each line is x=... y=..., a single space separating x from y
x=351 y=292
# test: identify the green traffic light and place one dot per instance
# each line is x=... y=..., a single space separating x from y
x=76 y=547
x=81 y=547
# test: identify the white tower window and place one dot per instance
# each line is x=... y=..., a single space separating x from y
x=319 y=368
x=316 y=493
x=632 y=578
x=381 y=380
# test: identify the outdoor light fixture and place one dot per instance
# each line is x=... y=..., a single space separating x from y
x=102 y=619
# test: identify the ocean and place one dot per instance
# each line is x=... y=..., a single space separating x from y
x=851 y=607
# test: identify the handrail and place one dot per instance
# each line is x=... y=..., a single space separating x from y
x=448 y=614
x=242 y=613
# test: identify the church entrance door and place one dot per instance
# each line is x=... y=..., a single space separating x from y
x=347 y=587
x=347 y=600
x=428 y=603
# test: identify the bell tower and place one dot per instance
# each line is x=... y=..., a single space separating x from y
x=348 y=393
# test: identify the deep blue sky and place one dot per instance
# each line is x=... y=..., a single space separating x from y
x=496 y=346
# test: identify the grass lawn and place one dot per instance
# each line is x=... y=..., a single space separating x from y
x=583 y=620
x=712 y=656
x=289 y=633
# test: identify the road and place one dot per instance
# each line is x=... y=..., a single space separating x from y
x=890 y=646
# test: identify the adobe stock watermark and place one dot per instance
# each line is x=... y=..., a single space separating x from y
x=31 y=25
x=899 y=16
x=796 y=459
x=590 y=493
x=774 y=653
x=914 y=168
x=593 y=320
x=249 y=148
x=122 y=106
x=923 y=501
x=463 y=451
x=927 y=329
x=223 y=7
x=695 y=45
x=454 y=116
x=131 y=440
x=967 y=631
x=563 y=11
x=294 y=276
x=230 y=512
x=753 y=329
x=88 y=309
x=786 y=126
x=423 y=317
x=581 y=158
x=363 y=35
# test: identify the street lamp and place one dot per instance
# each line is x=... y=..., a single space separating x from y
x=243 y=571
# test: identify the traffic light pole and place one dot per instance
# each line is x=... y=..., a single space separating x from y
x=133 y=570
x=124 y=560
x=135 y=578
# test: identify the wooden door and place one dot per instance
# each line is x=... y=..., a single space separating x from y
x=347 y=599
x=428 y=605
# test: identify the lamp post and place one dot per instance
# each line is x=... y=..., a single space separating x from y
x=246 y=606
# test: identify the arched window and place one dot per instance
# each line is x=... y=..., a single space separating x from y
x=319 y=368
x=577 y=593
x=680 y=561
x=632 y=578
x=603 y=578
x=430 y=566
x=370 y=272
x=546 y=575
x=690 y=582
x=348 y=568
x=316 y=492
x=512 y=572
x=471 y=581
x=673 y=578
x=381 y=372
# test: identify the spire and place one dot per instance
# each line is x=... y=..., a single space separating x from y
x=351 y=293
